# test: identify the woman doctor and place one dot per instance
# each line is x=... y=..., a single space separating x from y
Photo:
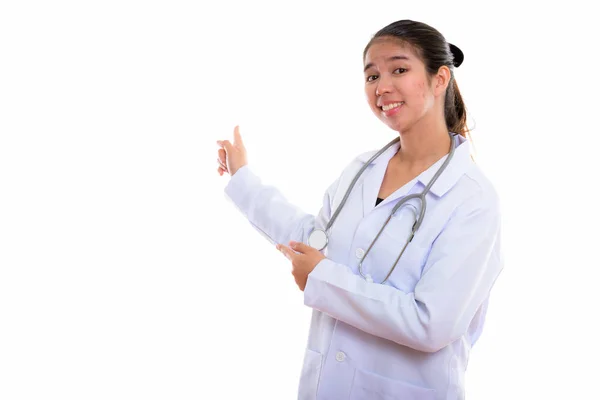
x=395 y=311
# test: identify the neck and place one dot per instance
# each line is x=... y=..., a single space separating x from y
x=423 y=144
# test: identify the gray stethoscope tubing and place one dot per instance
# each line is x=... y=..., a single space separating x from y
x=419 y=218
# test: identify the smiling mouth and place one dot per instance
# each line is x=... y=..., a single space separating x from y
x=391 y=107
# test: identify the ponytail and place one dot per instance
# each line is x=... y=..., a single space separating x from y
x=455 y=110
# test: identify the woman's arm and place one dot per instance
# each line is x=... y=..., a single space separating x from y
x=462 y=266
x=270 y=212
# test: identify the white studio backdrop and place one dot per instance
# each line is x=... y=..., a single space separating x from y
x=125 y=273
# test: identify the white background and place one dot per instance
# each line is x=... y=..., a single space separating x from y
x=125 y=273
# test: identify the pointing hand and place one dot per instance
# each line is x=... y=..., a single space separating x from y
x=231 y=157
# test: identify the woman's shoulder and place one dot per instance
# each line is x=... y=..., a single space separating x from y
x=365 y=156
x=478 y=187
x=356 y=162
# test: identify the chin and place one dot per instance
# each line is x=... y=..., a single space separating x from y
x=397 y=126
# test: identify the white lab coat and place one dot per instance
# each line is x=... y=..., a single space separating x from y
x=410 y=337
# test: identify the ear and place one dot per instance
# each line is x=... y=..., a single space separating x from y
x=441 y=80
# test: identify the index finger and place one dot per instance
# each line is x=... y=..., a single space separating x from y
x=237 y=137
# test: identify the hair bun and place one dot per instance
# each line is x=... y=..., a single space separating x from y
x=457 y=54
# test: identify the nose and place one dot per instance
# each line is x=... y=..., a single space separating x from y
x=384 y=85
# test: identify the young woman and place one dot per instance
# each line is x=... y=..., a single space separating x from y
x=399 y=263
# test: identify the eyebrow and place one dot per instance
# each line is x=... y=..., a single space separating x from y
x=392 y=58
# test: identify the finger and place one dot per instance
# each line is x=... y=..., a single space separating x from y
x=222 y=156
x=237 y=137
x=289 y=253
x=301 y=247
x=222 y=164
x=227 y=146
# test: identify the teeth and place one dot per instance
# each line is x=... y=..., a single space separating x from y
x=390 y=106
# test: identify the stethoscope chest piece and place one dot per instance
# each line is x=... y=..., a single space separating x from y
x=318 y=239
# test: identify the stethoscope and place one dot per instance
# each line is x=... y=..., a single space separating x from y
x=319 y=238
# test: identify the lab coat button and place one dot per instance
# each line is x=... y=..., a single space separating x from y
x=340 y=356
x=360 y=253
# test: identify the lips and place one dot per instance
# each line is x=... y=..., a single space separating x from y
x=390 y=105
x=390 y=108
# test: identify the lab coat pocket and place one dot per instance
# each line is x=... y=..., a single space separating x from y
x=368 y=386
x=309 y=377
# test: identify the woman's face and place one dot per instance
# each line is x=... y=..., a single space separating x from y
x=397 y=85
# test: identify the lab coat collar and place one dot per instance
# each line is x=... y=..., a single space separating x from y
x=457 y=167
x=454 y=170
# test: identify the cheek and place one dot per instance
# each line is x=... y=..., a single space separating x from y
x=370 y=93
x=419 y=89
x=371 y=98
x=420 y=94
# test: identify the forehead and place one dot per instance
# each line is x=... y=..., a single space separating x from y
x=382 y=49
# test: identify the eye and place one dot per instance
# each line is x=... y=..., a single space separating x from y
x=371 y=76
x=402 y=70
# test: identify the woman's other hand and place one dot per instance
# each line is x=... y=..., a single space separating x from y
x=231 y=157
x=304 y=259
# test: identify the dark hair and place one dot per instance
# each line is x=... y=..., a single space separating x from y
x=431 y=46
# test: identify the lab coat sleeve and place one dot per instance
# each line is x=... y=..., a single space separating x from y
x=461 y=268
x=270 y=213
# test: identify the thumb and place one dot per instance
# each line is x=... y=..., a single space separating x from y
x=237 y=137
